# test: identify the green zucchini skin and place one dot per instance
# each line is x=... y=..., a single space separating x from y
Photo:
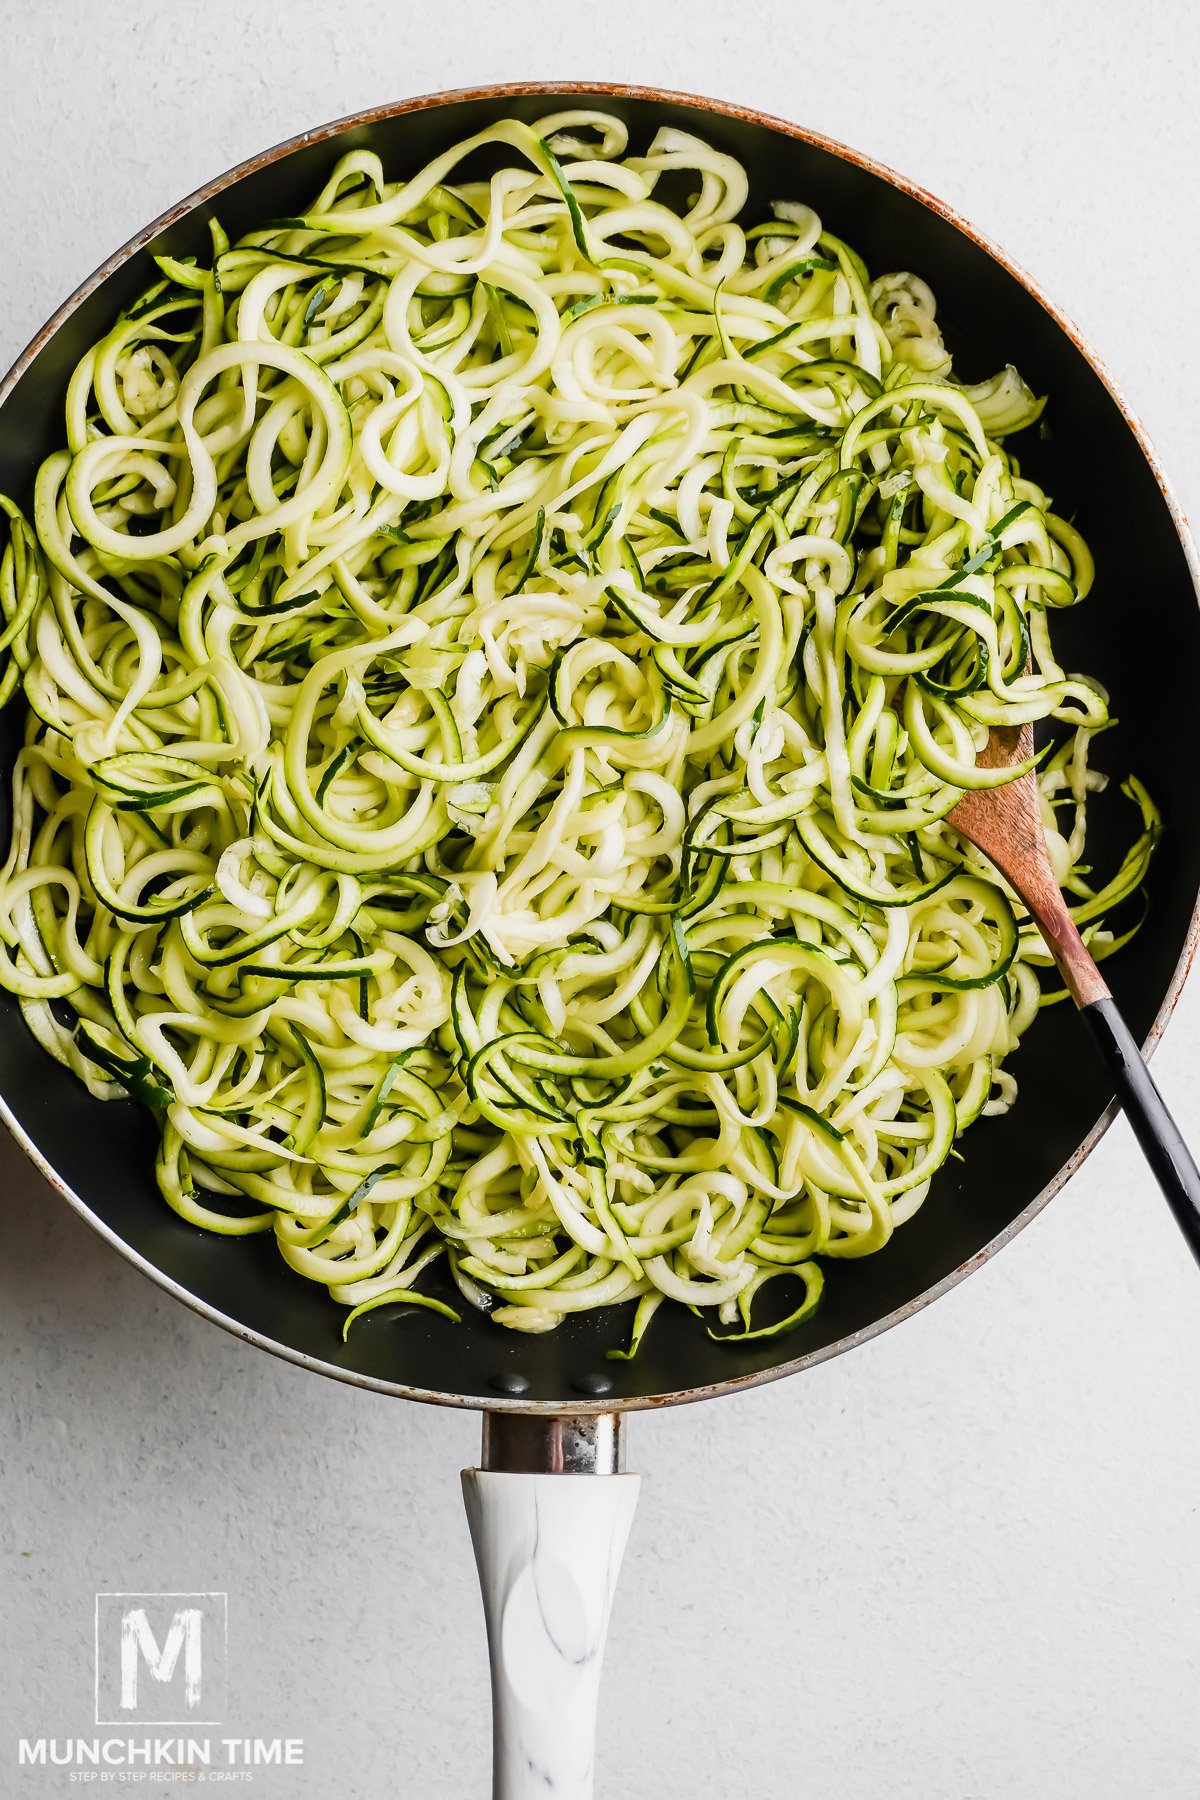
x=499 y=660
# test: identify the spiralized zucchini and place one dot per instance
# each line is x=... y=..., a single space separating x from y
x=500 y=650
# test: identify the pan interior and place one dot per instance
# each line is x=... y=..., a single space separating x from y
x=1139 y=632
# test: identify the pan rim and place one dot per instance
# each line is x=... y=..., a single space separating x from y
x=600 y=90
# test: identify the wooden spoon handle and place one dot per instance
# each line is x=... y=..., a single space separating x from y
x=1156 y=1131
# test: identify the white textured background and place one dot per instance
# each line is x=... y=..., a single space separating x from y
x=962 y=1564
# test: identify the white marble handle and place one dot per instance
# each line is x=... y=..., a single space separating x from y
x=548 y=1548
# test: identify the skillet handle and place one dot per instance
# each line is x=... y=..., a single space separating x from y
x=548 y=1543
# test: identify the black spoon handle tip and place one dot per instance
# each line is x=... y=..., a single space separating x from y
x=1156 y=1131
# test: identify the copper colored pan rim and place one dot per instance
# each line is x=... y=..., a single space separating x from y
x=601 y=90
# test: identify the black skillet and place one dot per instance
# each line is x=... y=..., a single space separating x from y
x=1092 y=457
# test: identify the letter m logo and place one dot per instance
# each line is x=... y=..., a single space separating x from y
x=138 y=1646
x=160 y=1658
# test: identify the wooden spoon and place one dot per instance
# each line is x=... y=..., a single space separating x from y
x=1006 y=824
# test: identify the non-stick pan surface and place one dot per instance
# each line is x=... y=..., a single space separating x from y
x=1139 y=632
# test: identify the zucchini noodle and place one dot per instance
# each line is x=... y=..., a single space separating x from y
x=500 y=650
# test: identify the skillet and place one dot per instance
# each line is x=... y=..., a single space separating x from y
x=548 y=1551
